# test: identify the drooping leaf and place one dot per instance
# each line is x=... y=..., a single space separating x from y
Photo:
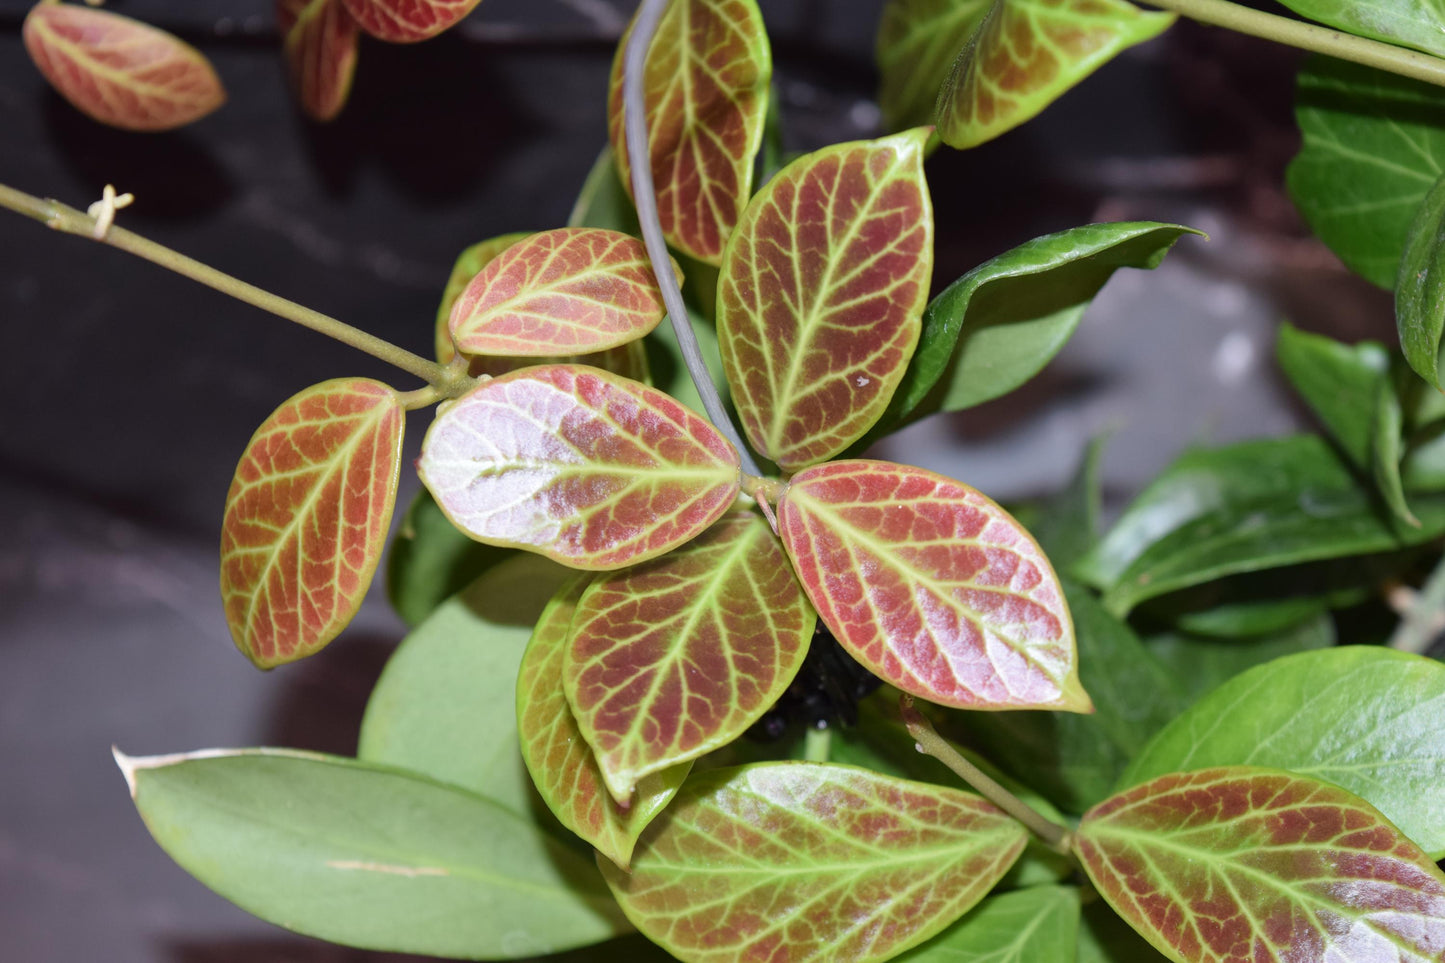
x=561 y=763
x=1199 y=663
x=367 y=856
x=1367 y=718
x=1337 y=381
x=306 y=517
x=1026 y=54
x=1409 y=23
x=780 y=860
x=407 y=21
x=670 y=660
x=443 y=705
x=1419 y=291
x=1257 y=864
x=705 y=80
x=930 y=585
x=918 y=41
x=821 y=292
x=1036 y=925
x=1373 y=144
x=582 y=466
x=319 y=39
x=572 y=290
x=468 y=265
x=120 y=71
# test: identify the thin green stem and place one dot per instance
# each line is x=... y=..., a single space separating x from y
x=447 y=380
x=1424 y=619
x=1308 y=36
x=930 y=742
x=817 y=744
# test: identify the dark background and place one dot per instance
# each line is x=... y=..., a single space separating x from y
x=127 y=394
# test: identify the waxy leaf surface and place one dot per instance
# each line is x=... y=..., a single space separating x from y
x=582 y=466
x=918 y=41
x=1420 y=291
x=1410 y=23
x=560 y=762
x=1026 y=54
x=572 y=290
x=320 y=39
x=705 y=83
x=1366 y=718
x=120 y=71
x=468 y=265
x=406 y=21
x=804 y=861
x=931 y=586
x=672 y=659
x=307 y=516
x=1257 y=864
x=821 y=294
x=1035 y=925
x=368 y=856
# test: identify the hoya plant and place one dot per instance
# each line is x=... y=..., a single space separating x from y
x=687 y=660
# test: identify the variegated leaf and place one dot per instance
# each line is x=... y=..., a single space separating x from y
x=468 y=265
x=320 y=41
x=407 y=21
x=918 y=41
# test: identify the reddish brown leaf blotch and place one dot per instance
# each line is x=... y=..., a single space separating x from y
x=307 y=516
x=932 y=586
x=120 y=71
x=407 y=21
x=320 y=40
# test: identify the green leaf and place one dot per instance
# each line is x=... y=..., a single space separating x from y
x=468 y=265
x=1200 y=663
x=821 y=292
x=587 y=468
x=319 y=39
x=670 y=660
x=430 y=561
x=1408 y=23
x=1066 y=525
x=1338 y=382
x=1105 y=938
x=306 y=517
x=1419 y=291
x=1028 y=53
x=367 y=856
x=931 y=586
x=603 y=202
x=407 y=21
x=1387 y=449
x=1369 y=719
x=1038 y=925
x=781 y=860
x=918 y=41
x=1371 y=143
x=1244 y=863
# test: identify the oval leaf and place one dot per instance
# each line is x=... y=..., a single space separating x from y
x=821 y=294
x=120 y=71
x=705 y=85
x=918 y=41
x=369 y=857
x=468 y=265
x=1420 y=290
x=558 y=757
x=1035 y=925
x=568 y=291
x=673 y=659
x=306 y=517
x=1026 y=54
x=582 y=466
x=407 y=21
x=1256 y=864
x=932 y=586
x=1410 y=23
x=320 y=41
x=779 y=861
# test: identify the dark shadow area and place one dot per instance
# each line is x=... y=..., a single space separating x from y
x=1055 y=386
x=320 y=701
x=300 y=949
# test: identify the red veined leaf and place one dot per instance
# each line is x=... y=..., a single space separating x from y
x=562 y=765
x=675 y=658
x=569 y=291
x=821 y=295
x=706 y=89
x=1239 y=863
x=1026 y=54
x=585 y=467
x=120 y=71
x=407 y=21
x=320 y=41
x=801 y=861
x=468 y=265
x=932 y=586
x=306 y=517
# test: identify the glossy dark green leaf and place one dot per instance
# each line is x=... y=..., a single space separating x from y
x=1066 y=525
x=429 y=560
x=1200 y=663
x=1373 y=147
x=1420 y=289
x=1337 y=381
x=1037 y=925
x=1387 y=450
x=1408 y=23
x=917 y=43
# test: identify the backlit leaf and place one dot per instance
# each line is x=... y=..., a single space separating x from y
x=406 y=21
x=918 y=40
x=1410 y=23
x=705 y=85
x=802 y=861
x=572 y=290
x=368 y=856
x=120 y=71
x=582 y=466
x=931 y=586
x=821 y=293
x=306 y=517
x=560 y=761
x=319 y=39
x=675 y=658
x=1026 y=54
x=1258 y=864
x=468 y=265
x=1036 y=925
x=1366 y=718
